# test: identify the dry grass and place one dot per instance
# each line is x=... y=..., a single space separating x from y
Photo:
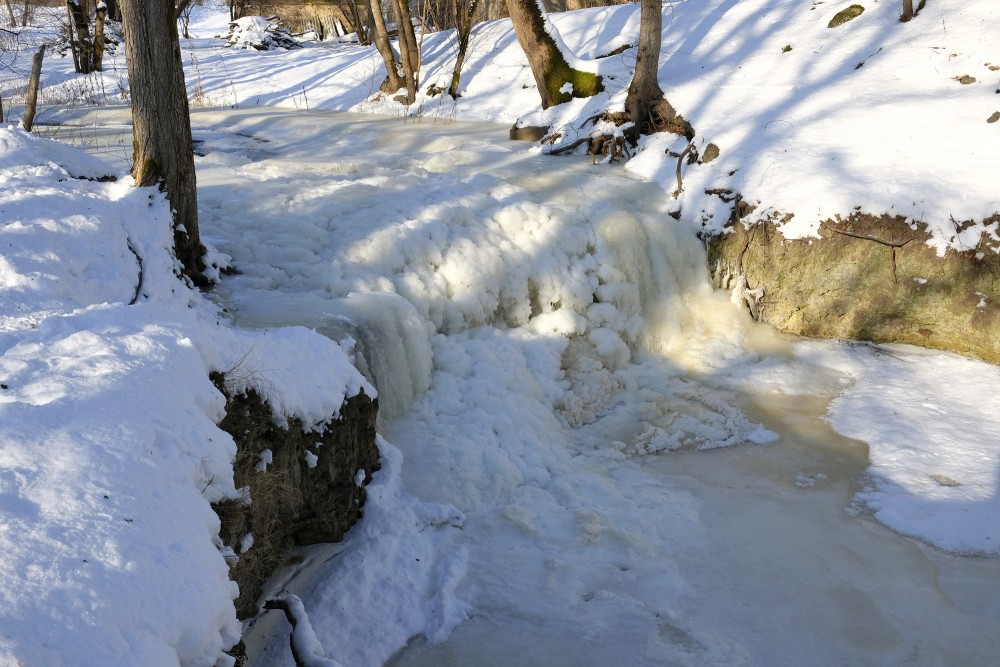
x=273 y=499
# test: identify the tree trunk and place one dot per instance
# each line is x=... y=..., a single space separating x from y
x=381 y=38
x=179 y=9
x=408 y=52
x=25 y=13
x=81 y=27
x=70 y=34
x=548 y=64
x=161 y=124
x=13 y=18
x=463 y=23
x=645 y=104
x=31 y=101
x=359 y=26
x=102 y=12
x=907 y=11
x=114 y=12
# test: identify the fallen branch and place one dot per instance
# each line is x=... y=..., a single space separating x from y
x=680 y=161
x=569 y=147
x=138 y=285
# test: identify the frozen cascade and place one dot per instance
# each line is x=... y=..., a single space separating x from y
x=539 y=330
x=391 y=346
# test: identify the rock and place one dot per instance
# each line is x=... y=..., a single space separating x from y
x=994 y=118
x=965 y=79
x=309 y=492
x=850 y=288
x=710 y=153
x=845 y=15
x=527 y=132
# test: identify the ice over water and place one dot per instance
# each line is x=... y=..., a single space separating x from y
x=536 y=331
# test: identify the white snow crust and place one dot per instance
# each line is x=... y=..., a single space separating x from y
x=534 y=488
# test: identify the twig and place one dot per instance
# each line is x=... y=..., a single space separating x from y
x=138 y=286
x=891 y=244
x=864 y=237
x=680 y=161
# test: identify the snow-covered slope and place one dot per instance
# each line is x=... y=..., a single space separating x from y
x=109 y=452
x=810 y=120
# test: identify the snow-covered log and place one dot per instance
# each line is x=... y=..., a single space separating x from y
x=306 y=649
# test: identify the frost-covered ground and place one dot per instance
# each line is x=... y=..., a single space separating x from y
x=547 y=485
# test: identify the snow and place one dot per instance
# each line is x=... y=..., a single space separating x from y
x=637 y=478
x=109 y=452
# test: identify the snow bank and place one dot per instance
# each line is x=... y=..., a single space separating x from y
x=935 y=464
x=810 y=120
x=109 y=453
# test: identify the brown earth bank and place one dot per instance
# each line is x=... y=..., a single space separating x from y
x=868 y=277
x=297 y=498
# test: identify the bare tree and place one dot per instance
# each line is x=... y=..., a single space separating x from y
x=645 y=104
x=463 y=18
x=100 y=15
x=380 y=35
x=31 y=101
x=557 y=81
x=161 y=122
x=409 y=52
x=79 y=31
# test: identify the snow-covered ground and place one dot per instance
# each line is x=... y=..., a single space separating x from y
x=644 y=478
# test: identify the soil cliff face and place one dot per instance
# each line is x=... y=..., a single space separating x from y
x=297 y=487
x=867 y=278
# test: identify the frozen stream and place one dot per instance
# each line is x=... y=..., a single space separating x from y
x=603 y=461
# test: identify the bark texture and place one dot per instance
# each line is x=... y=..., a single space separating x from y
x=907 y=11
x=84 y=44
x=31 y=101
x=409 y=52
x=645 y=104
x=98 y=52
x=463 y=22
x=548 y=64
x=161 y=124
x=380 y=35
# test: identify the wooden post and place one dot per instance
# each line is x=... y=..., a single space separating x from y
x=31 y=101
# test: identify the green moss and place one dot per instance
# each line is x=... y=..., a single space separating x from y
x=711 y=153
x=585 y=84
x=845 y=15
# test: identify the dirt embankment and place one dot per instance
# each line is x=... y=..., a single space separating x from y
x=868 y=278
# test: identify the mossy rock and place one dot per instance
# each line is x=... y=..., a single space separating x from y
x=847 y=287
x=711 y=152
x=845 y=15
